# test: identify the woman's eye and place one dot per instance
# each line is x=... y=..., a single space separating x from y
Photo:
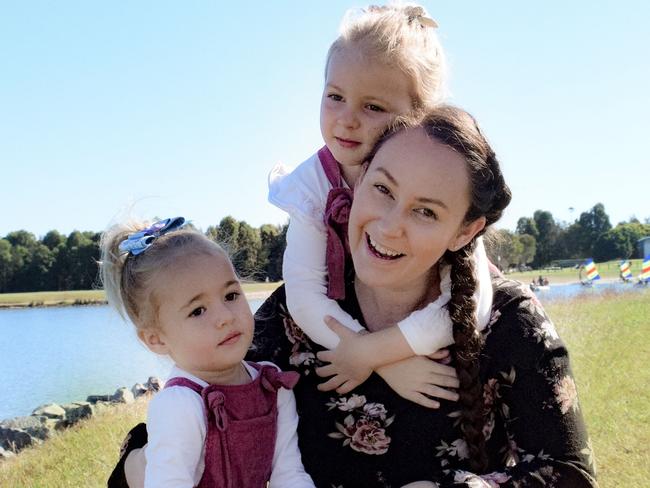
x=198 y=311
x=335 y=97
x=231 y=297
x=382 y=189
x=427 y=212
x=374 y=108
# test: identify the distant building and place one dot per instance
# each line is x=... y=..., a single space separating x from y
x=643 y=245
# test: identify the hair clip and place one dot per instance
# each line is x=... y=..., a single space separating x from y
x=140 y=241
x=419 y=14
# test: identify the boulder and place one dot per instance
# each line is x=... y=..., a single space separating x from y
x=154 y=384
x=123 y=395
x=51 y=411
x=76 y=411
x=138 y=390
x=35 y=426
x=99 y=398
x=15 y=439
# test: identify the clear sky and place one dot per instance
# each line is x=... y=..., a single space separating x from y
x=181 y=108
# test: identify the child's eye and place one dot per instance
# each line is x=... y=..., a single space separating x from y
x=335 y=97
x=374 y=108
x=198 y=311
x=232 y=296
x=427 y=212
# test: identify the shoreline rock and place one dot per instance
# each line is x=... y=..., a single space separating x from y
x=20 y=432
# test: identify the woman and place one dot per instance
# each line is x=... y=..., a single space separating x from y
x=429 y=190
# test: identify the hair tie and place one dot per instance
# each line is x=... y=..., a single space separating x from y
x=140 y=241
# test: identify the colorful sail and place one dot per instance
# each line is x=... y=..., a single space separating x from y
x=645 y=270
x=590 y=270
x=626 y=272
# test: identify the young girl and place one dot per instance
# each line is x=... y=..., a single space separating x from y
x=386 y=62
x=219 y=421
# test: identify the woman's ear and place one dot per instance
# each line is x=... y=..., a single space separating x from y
x=467 y=233
x=154 y=340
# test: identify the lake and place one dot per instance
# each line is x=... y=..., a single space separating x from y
x=64 y=354
x=565 y=291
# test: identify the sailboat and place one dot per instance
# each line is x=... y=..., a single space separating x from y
x=625 y=271
x=591 y=272
x=644 y=277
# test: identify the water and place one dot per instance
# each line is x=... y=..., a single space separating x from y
x=64 y=354
x=561 y=292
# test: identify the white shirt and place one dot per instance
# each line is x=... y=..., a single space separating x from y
x=176 y=429
x=303 y=194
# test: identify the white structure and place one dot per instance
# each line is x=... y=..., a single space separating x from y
x=644 y=246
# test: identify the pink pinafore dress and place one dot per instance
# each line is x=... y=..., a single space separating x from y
x=241 y=425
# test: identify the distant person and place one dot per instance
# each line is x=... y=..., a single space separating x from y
x=387 y=62
x=219 y=421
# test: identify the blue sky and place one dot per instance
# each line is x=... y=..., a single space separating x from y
x=181 y=108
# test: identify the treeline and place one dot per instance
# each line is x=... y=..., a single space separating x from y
x=59 y=262
x=540 y=240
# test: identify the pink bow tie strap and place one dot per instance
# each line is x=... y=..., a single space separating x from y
x=337 y=214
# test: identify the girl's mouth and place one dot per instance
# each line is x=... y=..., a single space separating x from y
x=347 y=143
x=382 y=252
x=231 y=338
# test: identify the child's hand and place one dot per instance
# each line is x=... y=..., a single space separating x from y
x=348 y=367
x=419 y=378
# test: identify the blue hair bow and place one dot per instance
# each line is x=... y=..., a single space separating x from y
x=138 y=243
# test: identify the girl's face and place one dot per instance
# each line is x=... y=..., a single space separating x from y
x=204 y=321
x=408 y=209
x=361 y=97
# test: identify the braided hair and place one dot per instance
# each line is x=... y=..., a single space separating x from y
x=489 y=195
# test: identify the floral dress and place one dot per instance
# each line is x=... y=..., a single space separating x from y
x=372 y=437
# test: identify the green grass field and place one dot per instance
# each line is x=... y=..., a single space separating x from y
x=609 y=340
x=85 y=297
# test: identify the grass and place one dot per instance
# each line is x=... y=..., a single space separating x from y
x=82 y=456
x=609 y=340
x=608 y=271
x=88 y=297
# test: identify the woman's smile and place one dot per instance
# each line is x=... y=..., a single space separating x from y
x=382 y=252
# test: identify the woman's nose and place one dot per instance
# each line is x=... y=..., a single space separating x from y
x=391 y=222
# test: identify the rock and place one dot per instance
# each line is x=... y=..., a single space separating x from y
x=34 y=426
x=4 y=454
x=138 y=390
x=99 y=398
x=76 y=411
x=15 y=439
x=50 y=410
x=123 y=395
x=154 y=384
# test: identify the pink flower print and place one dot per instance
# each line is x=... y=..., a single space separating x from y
x=347 y=405
x=375 y=410
x=294 y=333
x=369 y=438
x=300 y=358
x=566 y=394
x=490 y=393
x=490 y=480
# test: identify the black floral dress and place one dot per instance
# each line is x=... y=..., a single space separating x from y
x=374 y=438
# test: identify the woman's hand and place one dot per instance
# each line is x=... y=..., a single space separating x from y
x=420 y=378
x=348 y=366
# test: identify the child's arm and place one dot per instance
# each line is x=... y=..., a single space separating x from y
x=176 y=431
x=287 y=464
x=421 y=333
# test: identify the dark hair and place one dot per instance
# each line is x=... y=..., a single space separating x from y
x=489 y=196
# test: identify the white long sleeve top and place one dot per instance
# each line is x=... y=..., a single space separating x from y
x=302 y=193
x=176 y=429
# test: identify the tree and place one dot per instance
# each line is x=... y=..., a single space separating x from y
x=249 y=246
x=528 y=248
x=620 y=242
x=274 y=242
x=548 y=234
x=53 y=239
x=591 y=225
x=6 y=265
x=526 y=225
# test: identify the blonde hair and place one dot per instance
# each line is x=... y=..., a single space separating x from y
x=128 y=279
x=401 y=36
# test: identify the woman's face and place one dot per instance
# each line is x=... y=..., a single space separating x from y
x=408 y=209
